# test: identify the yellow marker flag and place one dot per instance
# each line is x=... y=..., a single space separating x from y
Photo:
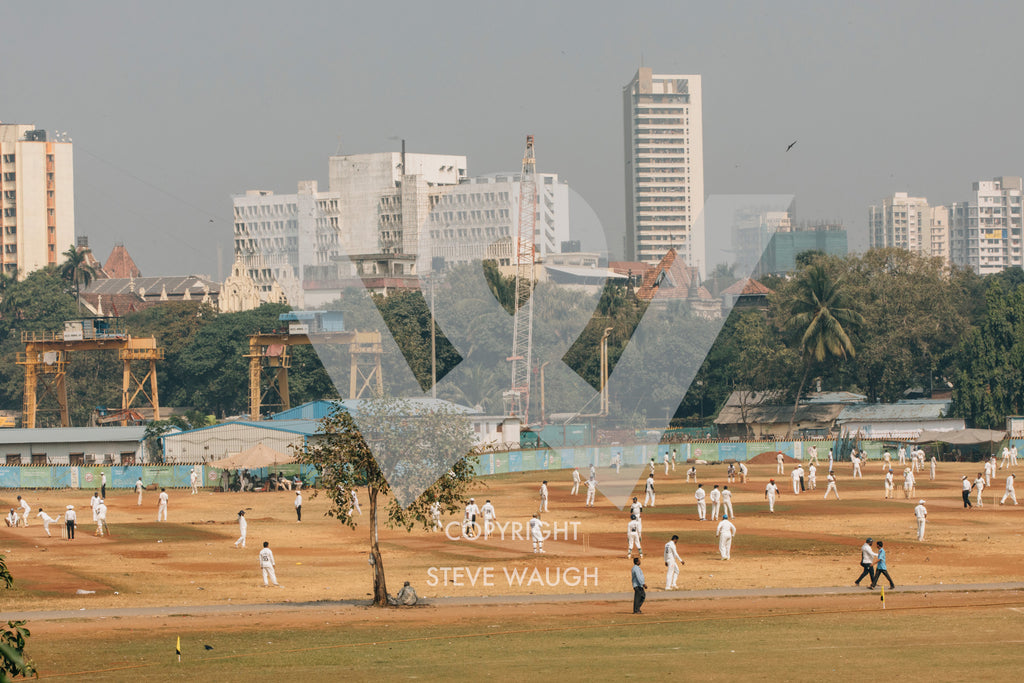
x=883 y=597
x=177 y=649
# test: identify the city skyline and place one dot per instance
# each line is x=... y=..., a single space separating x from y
x=168 y=124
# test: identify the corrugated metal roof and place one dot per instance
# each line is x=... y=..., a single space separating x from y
x=316 y=410
x=71 y=434
x=924 y=409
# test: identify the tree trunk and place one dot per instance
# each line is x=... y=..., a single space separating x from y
x=380 y=590
x=796 y=403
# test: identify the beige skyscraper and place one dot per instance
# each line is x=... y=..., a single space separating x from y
x=664 y=154
x=38 y=198
x=909 y=223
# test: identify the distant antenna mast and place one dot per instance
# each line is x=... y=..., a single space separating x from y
x=517 y=398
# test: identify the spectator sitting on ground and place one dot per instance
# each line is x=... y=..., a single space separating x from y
x=407 y=596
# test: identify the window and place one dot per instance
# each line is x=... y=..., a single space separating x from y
x=76 y=458
x=39 y=458
x=128 y=458
x=13 y=458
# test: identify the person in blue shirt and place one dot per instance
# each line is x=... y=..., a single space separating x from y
x=880 y=568
x=639 y=587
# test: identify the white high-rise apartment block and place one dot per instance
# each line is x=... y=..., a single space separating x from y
x=664 y=154
x=985 y=232
x=909 y=223
x=37 y=193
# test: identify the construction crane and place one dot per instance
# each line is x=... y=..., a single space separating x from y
x=517 y=398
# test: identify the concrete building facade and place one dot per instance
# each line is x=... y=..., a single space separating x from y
x=37 y=195
x=664 y=166
x=986 y=230
x=909 y=223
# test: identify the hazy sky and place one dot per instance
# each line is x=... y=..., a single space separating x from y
x=175 y=107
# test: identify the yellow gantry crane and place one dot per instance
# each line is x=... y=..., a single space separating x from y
x=46 y=361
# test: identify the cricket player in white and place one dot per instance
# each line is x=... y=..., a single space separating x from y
x=812 y=476
x=902 y=455
x=932 y=477
x=692 y=472
x=671 y=557
x=193 y=479
x=727 y=501
x=988 y=472
x=781 y=469
x=593 y=470
x=536 y=534
x=702 y=506
x=139 y=488
x=830 y=460
x=795 y=476
x=856 y=466
x=267 y=565
x=1005 y=462
x=908 y=483
x=25 y=510
x=469 y=524
x=635 y=508
x=544 y=496
x=649 y=492
x=743 y=473
x=979 y=484
x=673 y=460
x=1010 y=493
x=575 y=481
x=889 y=484
x=652 y=465
x=435 y=515
x=161 y=508
x=93 y=502
x=666 y=462
x=725 y=531
x=489 y=516
x=633 y=536
x=1013 y=455
x=887 y=461
x=716 y=502
x=770 y=491
x=591 y=492
x=812 y=451
x=243 y=527
x=831 y=486
x=921 y=515
x=354 y=504
x=101 y=518
x=47 y=520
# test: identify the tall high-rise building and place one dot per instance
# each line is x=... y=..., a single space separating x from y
x=664 y=154
x=909 y=223
x=985 y=231
x=37 y=193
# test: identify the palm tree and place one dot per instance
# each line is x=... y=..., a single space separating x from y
x=77 y=270
x=820 y=310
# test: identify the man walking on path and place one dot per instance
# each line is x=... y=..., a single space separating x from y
x=193 y=479
x=770 y=491
x=881 y=568
x=489 y=516
x=867 y=559
x=1010 y=493
x=725 y=531
x=831 y=488
x=639 y=587
x=671 y=557
x=469 y=522
x=267 y=565
x=243 y=527
x=921 y=515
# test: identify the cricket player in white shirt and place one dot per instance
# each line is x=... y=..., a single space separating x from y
x=716 y=502
x=812 y=452
x=649 y=492
x=921 y=515
x=979 y=484
x=671 y=558
x=725 y=531
x=193 y=479
x=831 y=486
x=1010 y=493
x=781 y=469
x=635 y=509
x=932 y=476
x=902 y=455
x=472 y=511
x=161 y=508
x=889 y=484
x=812 y=477
x=909 y=483
x=93 y=502
x=354 y=503
x=139 y=488
x=633 y=536
x=544 y=496
x=795 y=476
x=727 y=501
x=988 y=472
x=856 y=466
x=101 y=518
x=267 y=565
x=702 y=507
x=47 y=520
x=770 y=491
x=591 y=491
x=666 y=462
x=575 y=481
x=25 y=510
x=743 y=473
x=489 y=517
x=243 y=527
x=536 y=534
x=886 y=461
x=1006 y=458
x=1013 y=455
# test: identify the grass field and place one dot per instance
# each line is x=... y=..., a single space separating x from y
x=190 y=562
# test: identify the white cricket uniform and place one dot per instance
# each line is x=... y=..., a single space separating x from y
x=979 y=484
x=543 y=498
x=856 y=466
x=575 y=482
x=889 y=484
x=536 y=535
x=26 y=509
x=161 y=508
x=702 y=506
x=887 y=461
x=1006 y=458
x=743 y=473
x=988 y=473
x=795 y=476
x=1013 y=455
x=47 y=521
x=591 y=491
x=489 y=516
x=671 y=559
x=932 y=477
x=355 y=502
x=908 y=483
x=781 y=469
x=770 y=491
x=812 y=477
x=813 y=453
x=920 y=514
x=831 y=486
x=649 y=492
x=666 y=462
x=633 y=537
x=1010 y=493
x=726 y=530
x=470 y=524
x=193 y=479
x=716 y=502
x=727 y=502
x=692 y=472
x=93 y=502
x=243 y=527
x=139 y=489
x=435 y=515
x=101 y=519
x=267 y=565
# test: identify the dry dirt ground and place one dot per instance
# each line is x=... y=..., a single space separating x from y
x=808 y=541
